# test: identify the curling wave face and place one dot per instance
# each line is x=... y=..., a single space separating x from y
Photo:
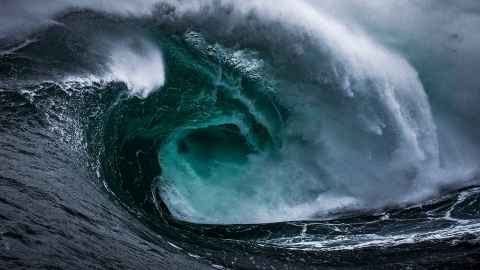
x=325 y=137
x=354 y=132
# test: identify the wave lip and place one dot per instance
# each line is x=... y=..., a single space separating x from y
x=140 y=65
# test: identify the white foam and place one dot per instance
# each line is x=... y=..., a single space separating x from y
x=343 y=242
x=139 y=65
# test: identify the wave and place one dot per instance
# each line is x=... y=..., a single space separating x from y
x=352 y=131
x=289 y=127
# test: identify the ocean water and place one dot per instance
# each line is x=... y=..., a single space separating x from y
x=239 y=135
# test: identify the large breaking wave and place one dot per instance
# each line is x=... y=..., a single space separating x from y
x=276 y=113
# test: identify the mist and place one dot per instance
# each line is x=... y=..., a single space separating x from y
x=23 y=16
